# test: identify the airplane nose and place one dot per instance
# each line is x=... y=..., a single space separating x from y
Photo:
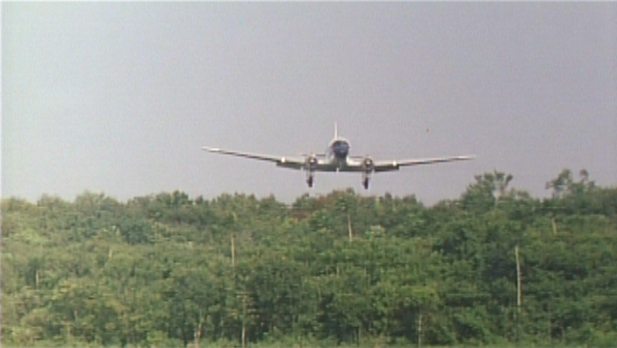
x=340 y=148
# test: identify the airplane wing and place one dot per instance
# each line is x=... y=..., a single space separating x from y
x=385 y=166
x=281 y=161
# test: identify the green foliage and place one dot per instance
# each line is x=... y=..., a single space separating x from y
x=343 y=269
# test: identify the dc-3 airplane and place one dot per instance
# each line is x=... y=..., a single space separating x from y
x=337 y=159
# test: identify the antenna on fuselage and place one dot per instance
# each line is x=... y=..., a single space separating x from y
x=335 y=131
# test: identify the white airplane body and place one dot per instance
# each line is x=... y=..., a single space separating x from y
x=337 y=159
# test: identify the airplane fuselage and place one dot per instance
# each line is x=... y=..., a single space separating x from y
x=338 y=152
x=339 y=148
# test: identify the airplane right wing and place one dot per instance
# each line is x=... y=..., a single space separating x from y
x=281 y=161
x=385 y=166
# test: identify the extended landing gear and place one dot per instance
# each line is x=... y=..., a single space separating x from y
x=309 y=178
x=365 y=183
x=310 y=166
x=365 y=180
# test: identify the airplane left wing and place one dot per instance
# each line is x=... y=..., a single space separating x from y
x=281 y=161
x=385 y=166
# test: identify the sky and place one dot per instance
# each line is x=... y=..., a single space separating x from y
x=119 y=98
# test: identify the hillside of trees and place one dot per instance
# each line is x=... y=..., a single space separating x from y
x=494 y=267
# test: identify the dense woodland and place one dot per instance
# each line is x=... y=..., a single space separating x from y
x=493 y=267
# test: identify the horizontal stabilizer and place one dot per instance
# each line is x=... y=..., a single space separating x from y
x=320 y=155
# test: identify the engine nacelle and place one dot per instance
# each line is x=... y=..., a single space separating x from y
x=368 y=165
x=311 y=163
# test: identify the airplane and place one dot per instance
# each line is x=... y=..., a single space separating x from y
x=337 y=159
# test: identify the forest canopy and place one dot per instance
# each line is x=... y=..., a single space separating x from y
x=496 y=266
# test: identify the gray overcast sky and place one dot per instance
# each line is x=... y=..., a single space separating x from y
x=119 y=97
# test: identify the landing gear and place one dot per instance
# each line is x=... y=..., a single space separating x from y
x=365 y=183
x=365 y=180
x=368 y=166
x=310 y=166
x=309 y=178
